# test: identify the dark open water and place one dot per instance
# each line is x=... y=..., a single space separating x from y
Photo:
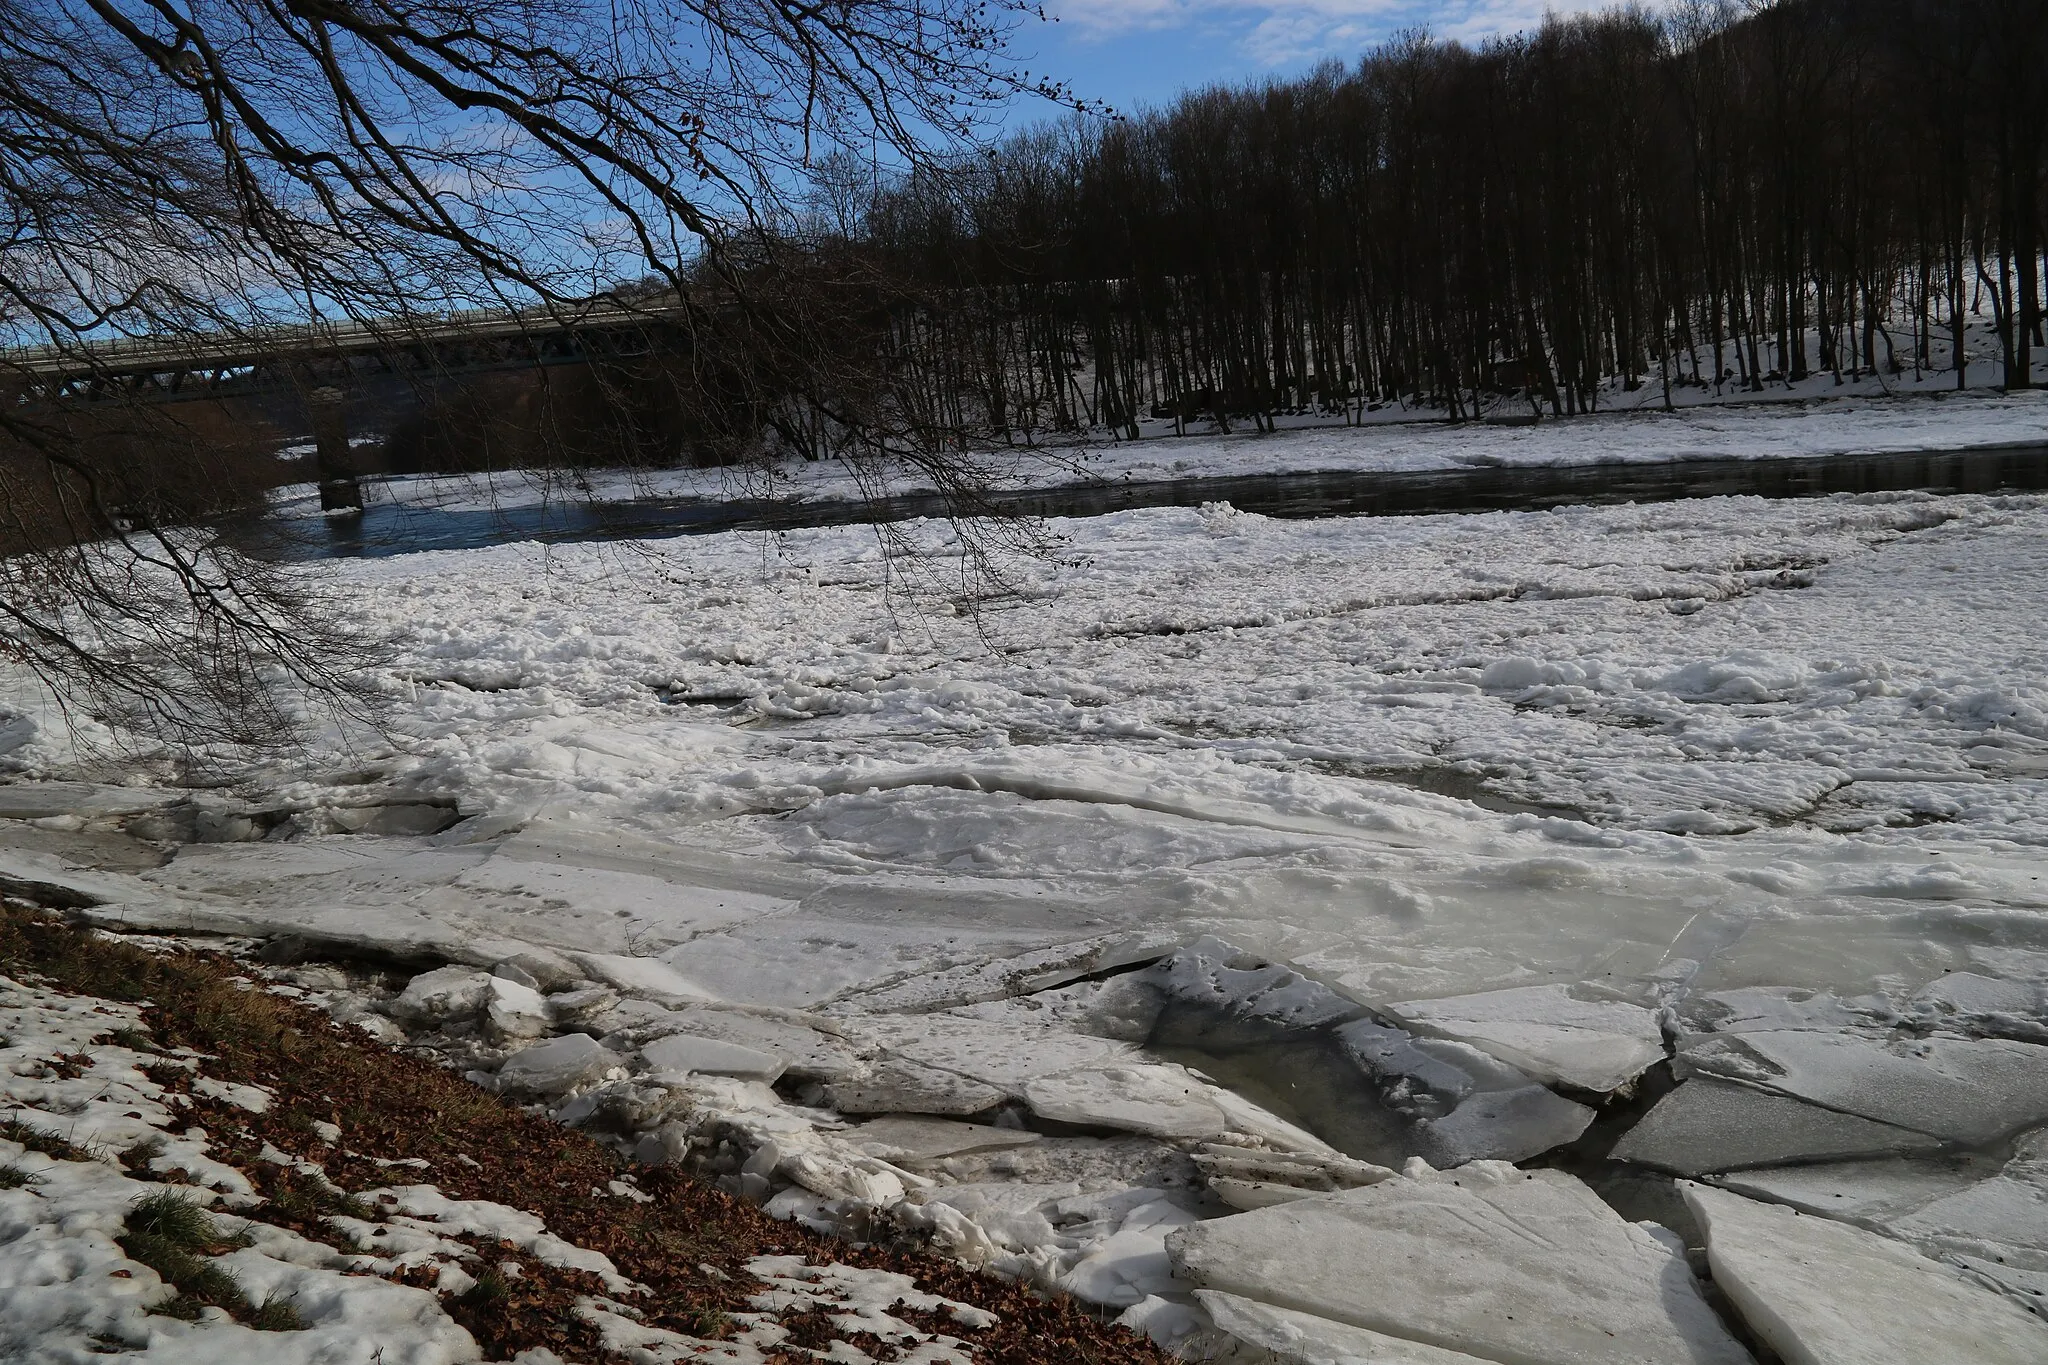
x=390 y=530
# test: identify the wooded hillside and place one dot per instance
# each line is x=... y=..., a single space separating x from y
x=1713 y=194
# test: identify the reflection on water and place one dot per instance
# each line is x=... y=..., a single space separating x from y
x=1300 y=1075
x=390 y=530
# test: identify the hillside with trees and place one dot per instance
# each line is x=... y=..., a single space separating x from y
x=1717 y=195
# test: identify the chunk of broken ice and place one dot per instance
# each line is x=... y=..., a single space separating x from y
x=1820 y=1291
x=1974 y=1091
x=558 y=1065
x=1488 y=1260
x=686 y=1053
x=444 y=994
x=897 y=1085
x=1468 y=1105
x=913 y=1138
x=1709 y=1125
x=1156 y=1100
x=1553 y=1036
x=1257 y=1333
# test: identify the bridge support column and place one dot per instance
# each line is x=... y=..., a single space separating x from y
x=339 y=491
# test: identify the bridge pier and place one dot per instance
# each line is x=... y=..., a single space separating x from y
x=339 y=491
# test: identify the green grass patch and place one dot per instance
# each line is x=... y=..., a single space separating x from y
x=175 y=1237
x=305 y=1198
x=13 y=1178
x=14 y=1129
x=276 y=1314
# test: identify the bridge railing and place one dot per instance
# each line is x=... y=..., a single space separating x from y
x=129 y=355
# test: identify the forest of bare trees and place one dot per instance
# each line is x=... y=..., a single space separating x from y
x=1711 y=194
x=210 y=171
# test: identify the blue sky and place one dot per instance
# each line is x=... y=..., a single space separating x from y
x=1138 y=52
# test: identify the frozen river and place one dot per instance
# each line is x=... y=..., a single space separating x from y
x=1216 y=859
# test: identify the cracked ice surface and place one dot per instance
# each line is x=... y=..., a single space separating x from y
x=1474 y=806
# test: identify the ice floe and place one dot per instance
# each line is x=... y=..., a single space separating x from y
x=1961 y=1090
x=1819 y=1292
x=1554 y=1036
x=1509 y=1265
x=1709 y=1125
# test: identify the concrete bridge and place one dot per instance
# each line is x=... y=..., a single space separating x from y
x=307 y=378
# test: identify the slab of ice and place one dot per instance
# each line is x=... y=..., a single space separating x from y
x=1470 y=1106
x=514 y=1011
x=686 y=1053
x=1749 y=1009
x=1961 y=1209
x=443 y=994
x=1522 y=1267
x=1002 y=1055
x=1508 y=1125
x=41 y=800
x=904 y=1137
x=1819 y=1292
x=1996 y=1215
x=897 y=1085
x=1213 y=973
x=1246 y=1178
x=642 y=976
x=1555 y=1037
x=41 y=877
x=1974 y=1003
x=1260 y=1333
x=1974 y=1091
x=1156 y=1100
x=1038 y=970
x=1857 y=1191
x=810 y=1054
x=558 y=1065
x=1708 y=1125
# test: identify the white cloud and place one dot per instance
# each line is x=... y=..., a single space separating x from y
x=1281 y=31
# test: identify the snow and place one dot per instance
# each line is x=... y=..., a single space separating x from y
x=66 y=1290
x=1823 y=1293
x=69 y=1293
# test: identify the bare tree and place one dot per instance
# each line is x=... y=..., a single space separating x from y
x=215 y=168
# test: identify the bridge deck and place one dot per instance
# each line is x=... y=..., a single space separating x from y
x=117 y=357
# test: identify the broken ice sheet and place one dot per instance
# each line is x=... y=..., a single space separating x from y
x=1815 y=1289
x=1972 y=1091
x=1711 y=1125
x=1373 y=1091
x=1488 y=1260
x=1553 y=1035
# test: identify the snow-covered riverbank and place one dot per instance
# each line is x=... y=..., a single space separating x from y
x=1225 y=861
x=1791 y=427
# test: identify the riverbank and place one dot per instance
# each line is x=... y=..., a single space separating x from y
x=1790 y=430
